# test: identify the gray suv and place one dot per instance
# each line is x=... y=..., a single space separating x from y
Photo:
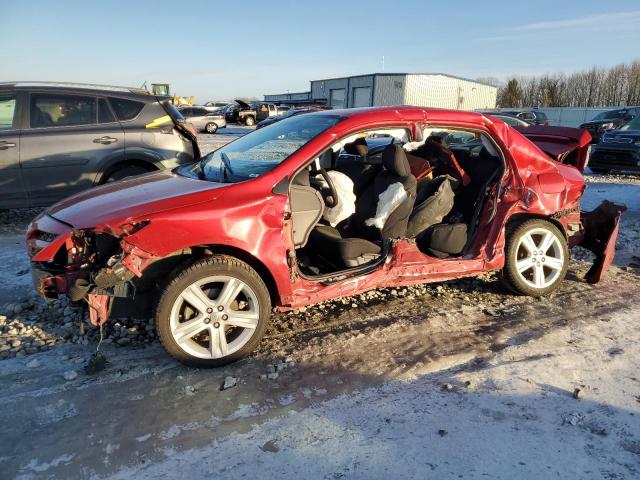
x=59 y=139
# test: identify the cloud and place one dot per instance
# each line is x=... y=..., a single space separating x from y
x=616 y=22
x=609 y=20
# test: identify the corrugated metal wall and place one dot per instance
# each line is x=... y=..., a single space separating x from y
x=441 y=91
x=323 y=88
x=389 y=90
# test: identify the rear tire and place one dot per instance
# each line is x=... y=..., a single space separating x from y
x=249 y=121
x=124 y=172
x=211 y=128
x=213 y=312
x=536 y=258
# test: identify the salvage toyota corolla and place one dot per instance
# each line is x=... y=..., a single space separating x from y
x=321 y=206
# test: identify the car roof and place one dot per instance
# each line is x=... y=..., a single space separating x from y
x=402 y=111
x=86 y=88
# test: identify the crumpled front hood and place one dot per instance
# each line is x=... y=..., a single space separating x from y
x=116 y=202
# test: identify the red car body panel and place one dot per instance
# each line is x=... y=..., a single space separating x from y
x=180 y=213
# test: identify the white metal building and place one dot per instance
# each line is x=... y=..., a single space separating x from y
x=420 y=89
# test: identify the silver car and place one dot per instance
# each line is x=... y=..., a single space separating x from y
x=57 y=139
x=202 y=119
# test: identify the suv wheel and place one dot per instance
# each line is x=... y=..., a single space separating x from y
x=537 y=258
x=213 y=312
x=124 y=172
x=249 y=121
x=211 y=128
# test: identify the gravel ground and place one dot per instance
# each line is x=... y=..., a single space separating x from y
x=440 y=368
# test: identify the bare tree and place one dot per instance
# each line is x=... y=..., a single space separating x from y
x=595 y=87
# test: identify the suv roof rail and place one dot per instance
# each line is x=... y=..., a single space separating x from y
x=90 y=86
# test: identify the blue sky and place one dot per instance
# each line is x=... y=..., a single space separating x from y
x=220 y=50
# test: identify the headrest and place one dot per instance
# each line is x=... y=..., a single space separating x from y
x=395 y=160
x=357 y=147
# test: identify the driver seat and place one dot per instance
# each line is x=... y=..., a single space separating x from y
x=354 y=251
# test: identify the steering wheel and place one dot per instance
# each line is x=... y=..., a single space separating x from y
x=330 y=200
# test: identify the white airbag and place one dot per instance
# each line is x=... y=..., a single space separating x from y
x=346 y=205
x=388 y=201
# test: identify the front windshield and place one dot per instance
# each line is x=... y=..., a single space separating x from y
x=262 y=150
x=632 y=125
x=610 y=115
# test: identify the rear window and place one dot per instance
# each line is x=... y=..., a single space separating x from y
x=611 y=115
x=126 y=109
x=541 y=116
x=104 y=112
x=54 y=110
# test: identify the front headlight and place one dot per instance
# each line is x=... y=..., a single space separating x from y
x=606 y=126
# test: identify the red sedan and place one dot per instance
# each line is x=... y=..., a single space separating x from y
x=321 y=206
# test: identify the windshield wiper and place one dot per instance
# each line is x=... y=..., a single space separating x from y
x=226 y=163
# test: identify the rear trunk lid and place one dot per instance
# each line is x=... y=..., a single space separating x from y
x=184 y=127
x=565 y=145
x=244 y=105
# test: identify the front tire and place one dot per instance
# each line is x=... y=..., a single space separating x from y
x=537 y=258
x=211 y=128
x=212 y=313
x=249 y=121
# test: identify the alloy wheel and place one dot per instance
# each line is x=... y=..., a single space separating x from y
x=214 y=317
x=540 y=258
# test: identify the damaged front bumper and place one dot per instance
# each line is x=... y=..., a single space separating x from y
x=86 y=265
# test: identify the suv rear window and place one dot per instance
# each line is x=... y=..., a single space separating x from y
x=104 y=113
x=126 y=109
x=53 y=110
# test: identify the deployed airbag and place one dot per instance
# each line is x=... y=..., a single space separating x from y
x=388 y=201
x=346 y=201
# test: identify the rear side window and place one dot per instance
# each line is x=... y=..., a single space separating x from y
x=104 y=112
x=126 y=109
x=61 y=110
x=7 y=111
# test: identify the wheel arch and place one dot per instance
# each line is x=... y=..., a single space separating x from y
x=147 y=163
x=169 y=264
x=518 y=218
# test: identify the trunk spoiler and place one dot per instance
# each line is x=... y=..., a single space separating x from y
x=600 y=231
x=565 y=145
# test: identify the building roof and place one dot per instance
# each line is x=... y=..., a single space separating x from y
x=380 y=74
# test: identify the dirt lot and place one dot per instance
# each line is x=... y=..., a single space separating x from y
x=461 y=379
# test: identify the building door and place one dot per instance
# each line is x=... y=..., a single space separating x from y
x=361 y=97
x=337 y=98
